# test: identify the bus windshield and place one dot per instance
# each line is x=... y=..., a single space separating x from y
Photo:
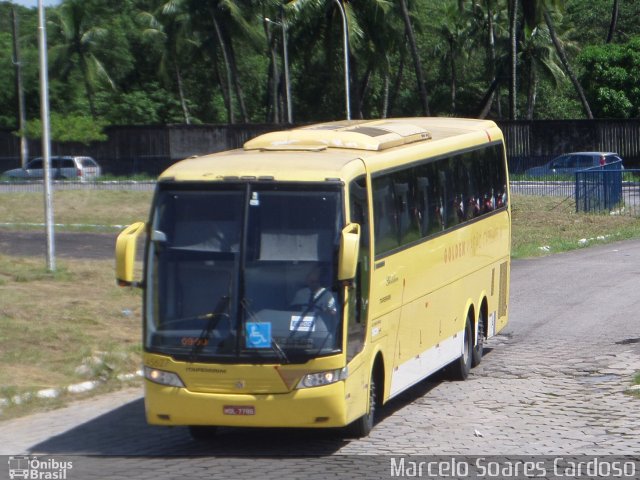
x=244 y=272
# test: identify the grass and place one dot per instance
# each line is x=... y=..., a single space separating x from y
x=77 y=207
x=76 y=325
x=636 y=383
x=63 y=328
x=544 y=225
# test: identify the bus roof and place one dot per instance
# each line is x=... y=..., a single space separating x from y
x=324 y=151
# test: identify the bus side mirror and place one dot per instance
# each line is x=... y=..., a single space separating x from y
x=348 y=256
x=126 y=247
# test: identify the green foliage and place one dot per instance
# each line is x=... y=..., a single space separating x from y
x=70 y=128
x=610 y=78
x=154 y=105
x=176 y=61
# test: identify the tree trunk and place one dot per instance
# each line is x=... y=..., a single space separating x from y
x=514 y=59
x=488 y=99
x=567 y=67
x=385 y=95
x=183 y=102
x=396 y=83
x=227 y=65
x=614 y=20
x=492 y=57
x=422 y=89
x=274 y=79
x=453 y=77
x=87 y=85
x=532 y=92
x=364 y=90
x=22 y=113
x=236 y=82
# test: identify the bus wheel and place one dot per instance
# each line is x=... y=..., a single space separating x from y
x=461 y=367
x=363 y=426
x=478 y=350
x=202 y=433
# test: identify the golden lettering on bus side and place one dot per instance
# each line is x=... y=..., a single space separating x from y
x=454 y=252
x=477 y=242
x=391 y=279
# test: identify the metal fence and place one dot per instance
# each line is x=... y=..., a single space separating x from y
x=552 y=185
x=608 y=190
x=15 y=186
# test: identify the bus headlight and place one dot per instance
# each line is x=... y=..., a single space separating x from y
x=323 y=378
x=163 y=378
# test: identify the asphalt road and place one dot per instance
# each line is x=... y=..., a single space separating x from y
x=67 y=244
x=552 y=384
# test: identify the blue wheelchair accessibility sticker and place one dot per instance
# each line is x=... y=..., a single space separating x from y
x=258 y=335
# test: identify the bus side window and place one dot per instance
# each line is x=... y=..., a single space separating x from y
x=429 y=193
x=385 y=213
x=402 y=209
x=407 y=206
x=422 y=204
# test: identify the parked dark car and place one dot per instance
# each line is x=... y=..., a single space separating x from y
x=62 y=168
x=573 y=162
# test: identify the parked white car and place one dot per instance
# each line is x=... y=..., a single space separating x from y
x=62 y=168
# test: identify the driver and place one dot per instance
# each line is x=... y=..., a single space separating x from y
x=314 y=297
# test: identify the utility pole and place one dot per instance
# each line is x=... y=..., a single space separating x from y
x=17 y=62
x=46 y=143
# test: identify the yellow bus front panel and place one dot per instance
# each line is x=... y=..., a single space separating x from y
x=312 y=407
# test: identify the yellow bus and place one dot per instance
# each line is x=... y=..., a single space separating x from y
x=313 y=275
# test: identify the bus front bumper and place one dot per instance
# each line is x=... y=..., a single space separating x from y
x=316 y=407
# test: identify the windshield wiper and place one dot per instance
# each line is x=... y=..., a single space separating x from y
x=212 y=321
x=204 y=316
x=275 y=346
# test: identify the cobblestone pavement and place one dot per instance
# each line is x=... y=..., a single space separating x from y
x=553 y=384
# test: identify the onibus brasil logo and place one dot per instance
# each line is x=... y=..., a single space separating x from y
x=21 y=466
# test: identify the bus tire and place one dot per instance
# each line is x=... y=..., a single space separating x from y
x=362 y=426
x=478 y=350
x=203 y=433
x=460 y=368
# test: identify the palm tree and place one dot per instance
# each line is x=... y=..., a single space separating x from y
x=541 y=9
x=276 y=18
x=381 y=35
x=169 y=25
x=490 y=15
x=420 y=80
x=538 y=58
x=455 y=32
x=320 y=21
x=565 y=62
x=513 y=35
x=74 y=23
x=614 y=20
x=217 y=24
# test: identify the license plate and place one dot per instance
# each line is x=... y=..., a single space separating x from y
x=233 y=410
